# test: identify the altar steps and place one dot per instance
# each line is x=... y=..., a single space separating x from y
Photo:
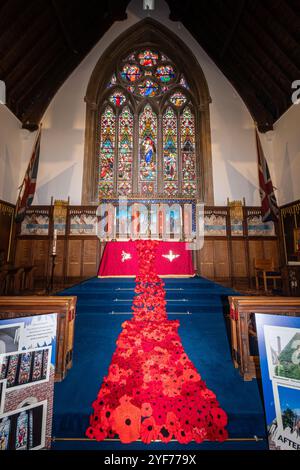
x=204 y=337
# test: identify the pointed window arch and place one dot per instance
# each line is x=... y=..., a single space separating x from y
x=148 y=113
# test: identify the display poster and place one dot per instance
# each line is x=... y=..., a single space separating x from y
x=279 y=355
x=27 y=366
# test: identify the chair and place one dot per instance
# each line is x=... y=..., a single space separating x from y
x=264 y=268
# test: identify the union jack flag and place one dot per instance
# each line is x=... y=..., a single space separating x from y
x=27 y=189
x=269 y=207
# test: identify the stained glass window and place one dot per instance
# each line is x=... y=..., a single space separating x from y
x=131 y=73
x=188 y=152
x=112 y=81
x=148 y=88
x=178 y=99
x=147 y=150
x=165 y=73
x=118 y=98
x=183 y=82
x=125 y=151
x=148 y=58
x=107 y=146
x=170 y=170
x=147 y=129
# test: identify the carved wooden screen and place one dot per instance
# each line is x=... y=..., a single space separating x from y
x=146 y=130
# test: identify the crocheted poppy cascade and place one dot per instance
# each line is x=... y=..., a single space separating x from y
x=152 y=390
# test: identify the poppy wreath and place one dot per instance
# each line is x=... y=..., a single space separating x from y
x=152 y=390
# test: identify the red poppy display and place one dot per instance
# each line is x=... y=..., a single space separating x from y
x=153 y=390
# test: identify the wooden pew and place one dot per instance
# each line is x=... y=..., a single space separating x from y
x=243 y=329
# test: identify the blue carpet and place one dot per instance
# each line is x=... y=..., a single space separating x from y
x=199 y=304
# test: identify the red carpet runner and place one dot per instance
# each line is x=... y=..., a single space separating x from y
x=152 y=390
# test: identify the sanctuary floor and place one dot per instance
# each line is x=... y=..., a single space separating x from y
x=201 y=307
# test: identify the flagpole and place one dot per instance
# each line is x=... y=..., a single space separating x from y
x=27 y=169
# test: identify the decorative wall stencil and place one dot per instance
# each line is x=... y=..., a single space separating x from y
x=256 y=227
x=35 y=224
x=215 y=225
x=82 y=223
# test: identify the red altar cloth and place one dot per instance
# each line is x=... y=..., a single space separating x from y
x=120 y=259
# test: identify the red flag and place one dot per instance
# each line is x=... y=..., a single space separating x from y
x=269 y=207
x=28 y=186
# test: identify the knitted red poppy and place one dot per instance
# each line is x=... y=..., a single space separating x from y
x=153 y=390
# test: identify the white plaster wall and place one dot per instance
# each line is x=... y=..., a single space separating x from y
x=10 y=155
x=62 y=146
x=286 y=156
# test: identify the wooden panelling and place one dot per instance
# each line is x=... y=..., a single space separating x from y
x=271 y=250
x=89 y=262
x=60 y=258
x=24 y=252
x=221 y=259
x=256 y=250
x=40 y=256
x=239 y=266
x=74 y=258
x=207 y=259
x=224 y=258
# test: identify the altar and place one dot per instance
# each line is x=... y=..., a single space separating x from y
x=119 y=259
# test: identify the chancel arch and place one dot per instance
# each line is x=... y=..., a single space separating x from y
x=147 y=120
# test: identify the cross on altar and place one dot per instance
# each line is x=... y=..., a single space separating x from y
x=171 y=256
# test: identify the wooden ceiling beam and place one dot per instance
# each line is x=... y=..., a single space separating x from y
x=266 y=25
x=235 y=23
x=33 y=74
x=62 y=26
x=33 y=109
x=16 y=20
x=26 y=61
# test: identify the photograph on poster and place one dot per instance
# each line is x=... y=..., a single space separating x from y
x=284 y=432
x=24 y=429
x=25 y=368
x=2 y=394
x=10 y=338
x=283 y=353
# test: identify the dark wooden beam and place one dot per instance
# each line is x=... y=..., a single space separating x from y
x=62 y=27
x=34 y=73
x=239 y=11
x=24 y=43
x=25 y=62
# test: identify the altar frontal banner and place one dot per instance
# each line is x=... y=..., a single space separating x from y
x=120 y=259
x=27 y=366
x=279 y=355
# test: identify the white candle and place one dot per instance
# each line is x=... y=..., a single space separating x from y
x=54 y=242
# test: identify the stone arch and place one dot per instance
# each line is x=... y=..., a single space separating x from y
x=147 y=33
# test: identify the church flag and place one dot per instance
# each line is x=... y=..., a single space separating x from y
x=269 y=207
x=27 y=189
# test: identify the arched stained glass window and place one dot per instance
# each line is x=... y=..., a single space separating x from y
x=107 y=149
x=125 y=149
x=188 y=152
x=147 y=151
x=147 y=127
x=170 y=150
